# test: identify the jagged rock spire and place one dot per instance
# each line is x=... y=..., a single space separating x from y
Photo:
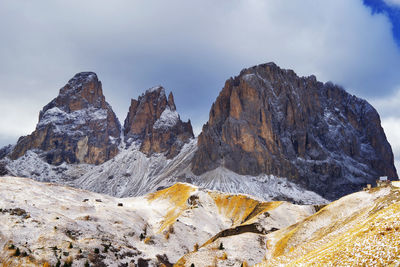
x=153 y=121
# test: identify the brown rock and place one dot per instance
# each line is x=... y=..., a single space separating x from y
x=152 y=121
x=78 y=126
x=269 y=120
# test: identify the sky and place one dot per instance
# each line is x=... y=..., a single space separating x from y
x=191 y=48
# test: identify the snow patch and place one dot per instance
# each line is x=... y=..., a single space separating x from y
x=153 y=89
x=167 y=119
x=64 y=122
x=249 y=77
x=132 y=173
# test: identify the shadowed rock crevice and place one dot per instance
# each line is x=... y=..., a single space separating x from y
x=241 y=229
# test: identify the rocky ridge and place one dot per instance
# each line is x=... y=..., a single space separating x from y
x=269 y=120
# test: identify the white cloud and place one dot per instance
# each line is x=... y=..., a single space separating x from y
x=16 y=123
x=392 y=2
x=391 y=126
x=389 y=109
x=388 y=106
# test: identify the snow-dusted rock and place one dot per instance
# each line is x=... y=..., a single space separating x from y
x=267 y=120
x=78 y=126
x=133 y=173
x=153 y=122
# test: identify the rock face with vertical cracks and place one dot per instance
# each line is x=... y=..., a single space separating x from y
x=269 y=120
x=154 y=123
x=78 y=126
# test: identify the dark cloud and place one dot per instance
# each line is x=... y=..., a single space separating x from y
x=189 y=47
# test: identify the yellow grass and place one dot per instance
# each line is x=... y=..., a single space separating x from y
x=224 y=256
x=241 y=209
x=147 y=240
x=367 y=237
x=177 y=195
x=376 y=229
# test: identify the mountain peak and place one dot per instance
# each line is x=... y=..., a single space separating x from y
x=268 y=120
x=156 y=89
x=171 y=102
x=153 y=121
x=82 y=91
x=81 y=81
x=78 y=126
x=85 y=76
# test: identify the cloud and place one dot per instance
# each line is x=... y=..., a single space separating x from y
x=391 y=126
x=392 y=2
x=190 y=47
x=388 y=106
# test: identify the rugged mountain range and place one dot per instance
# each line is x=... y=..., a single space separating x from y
x=270 y=133
x=79 y=126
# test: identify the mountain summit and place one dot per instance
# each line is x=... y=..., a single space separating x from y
x=153 y=121
x=78 y=126
x=269 y=120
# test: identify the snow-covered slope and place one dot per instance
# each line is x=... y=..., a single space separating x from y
x=43 y=223
x=132 y=173
x=361 y=229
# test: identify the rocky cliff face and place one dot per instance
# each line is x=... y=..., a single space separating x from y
x=78 y=126
x=153 y=121
x=269 y=120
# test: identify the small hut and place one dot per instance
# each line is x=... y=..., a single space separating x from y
x=382 y=181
